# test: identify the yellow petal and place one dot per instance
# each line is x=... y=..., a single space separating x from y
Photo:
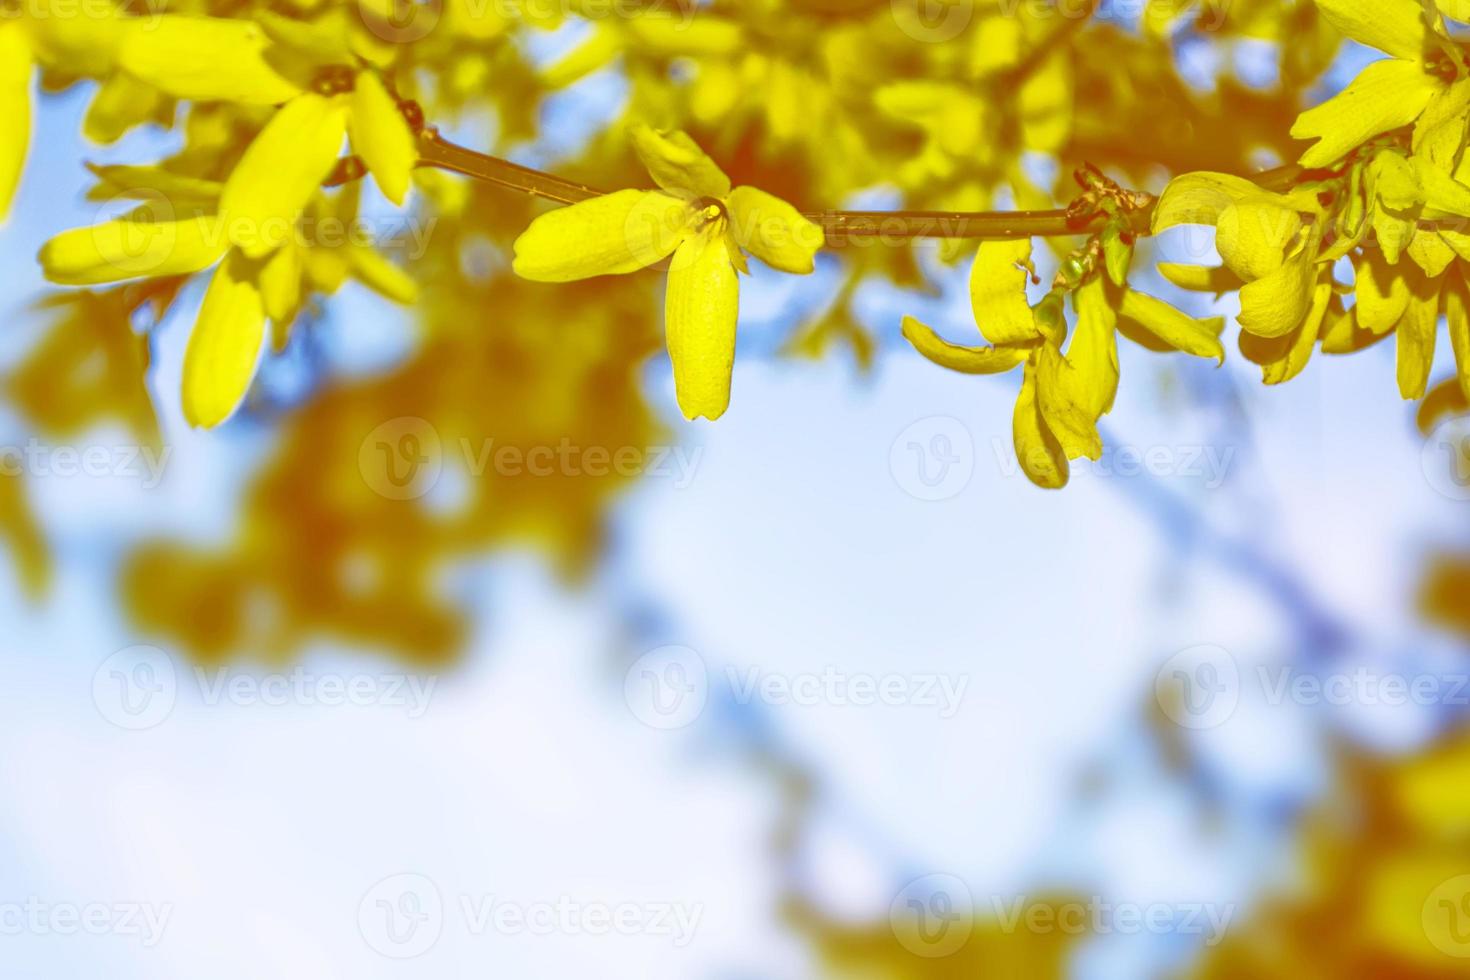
x=153 y=184
x=1383 y=294
x=225 y=346
x=1047 y=105
x=1094 y=348
x=774 y=231
x=1439 y=134
x=1393 y=233
x=280 y=282
x=1201 y=278
x=1430 y=252
x=1275 y=306
x=1341 y=334
x=998 y=292
x=1058 y=393
x=121 y=102
x=678 y=165
x=1395 y=181
x=1175 y=329
x=280 y=171
x=697 y=36
x=1254 y=236
x=387 y=279
x=1457 y=314
x=965 y=360
x=700 y=310
x=84 y=40
x=613 y=234
x=1200 y=199
x=1445 y=400
x=1386 y=95
x=381 y=136
x=1283 y=358
x=1417 y=335
x=1441 y=193
x=15 y=110
x=997 y=45
x=130 y=249
x=204 y=59
x=1040 y=455
x=1394 y=27
x=1457 y=240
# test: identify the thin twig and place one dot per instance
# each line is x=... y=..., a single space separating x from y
x=840 y=227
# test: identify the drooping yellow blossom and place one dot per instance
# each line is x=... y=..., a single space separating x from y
x=1270 y=244
x=225 y=345
x=705 y=225
x=1067 y=387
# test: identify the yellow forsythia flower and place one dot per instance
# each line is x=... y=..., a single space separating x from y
x=1387 y=94
x=704 y=224
x=1064 y=392
x=286 y=163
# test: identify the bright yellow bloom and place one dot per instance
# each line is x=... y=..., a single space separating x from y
x=1270 y=246
x=1067 y=387
x=705 y=225
x=244 y=293
x=286 y=163
x=1388 y=94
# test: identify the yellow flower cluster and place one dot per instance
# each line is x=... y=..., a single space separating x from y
x=1067 y=387
x=1387 y=184
x=1387 y=170
x=247 y=226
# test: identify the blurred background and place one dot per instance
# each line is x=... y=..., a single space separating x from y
x=458 y=653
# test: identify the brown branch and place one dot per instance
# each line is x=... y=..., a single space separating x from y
x=840 y=227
